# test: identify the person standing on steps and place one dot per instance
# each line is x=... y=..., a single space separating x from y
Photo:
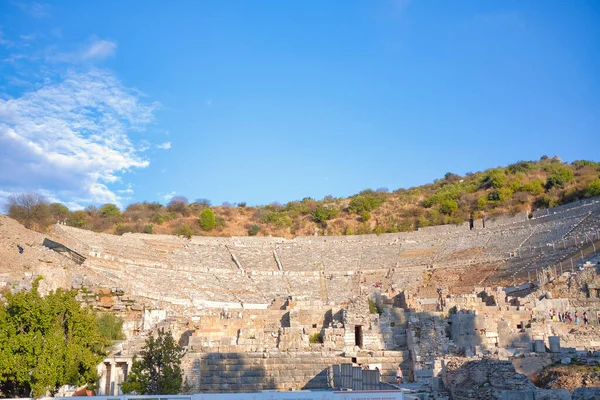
x=399 y=375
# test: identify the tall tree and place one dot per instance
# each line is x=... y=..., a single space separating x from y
x=30 y=209
x=47 y=342
x=158 y=370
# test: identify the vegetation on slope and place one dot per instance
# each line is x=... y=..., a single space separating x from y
x=523 y=186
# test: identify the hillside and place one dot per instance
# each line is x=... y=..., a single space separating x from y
x=523 y=186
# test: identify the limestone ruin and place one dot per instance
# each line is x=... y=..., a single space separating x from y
x=465 y=313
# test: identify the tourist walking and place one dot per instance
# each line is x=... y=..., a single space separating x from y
x=585 y=318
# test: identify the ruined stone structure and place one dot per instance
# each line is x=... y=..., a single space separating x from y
x=270 y=313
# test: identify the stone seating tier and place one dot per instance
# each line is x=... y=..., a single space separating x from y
x=244 y=270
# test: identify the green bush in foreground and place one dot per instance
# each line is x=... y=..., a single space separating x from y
x=47 y=342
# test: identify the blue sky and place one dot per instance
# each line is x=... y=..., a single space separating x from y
x=264 y=101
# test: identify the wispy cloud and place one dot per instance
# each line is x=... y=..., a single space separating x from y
x=99 y=50
x=96 y=50
x=72 y=137
x=34 y=8
x=164 y=146
x=127 y=191
x=4 y=41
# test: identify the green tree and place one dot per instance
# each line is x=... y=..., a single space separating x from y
x=77 y=219
x=58 y=210
x=110 y=210
x=47 y=342
x=207 y=219
x=110 y=326
x=158 y=368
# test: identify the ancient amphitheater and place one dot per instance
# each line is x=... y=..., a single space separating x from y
x=272 y=313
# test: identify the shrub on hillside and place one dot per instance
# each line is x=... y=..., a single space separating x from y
x=500 y=195
x=204 y=202
x=521 y=166
x=121 y=228
x=253 y=230
x=154 y=206
x=365 y=216
x=207 y=220
x=185 y=231
x=367 y=200
x=535 y=187
x=593 y=189
x=220 y=223
x=110 y=210
x=277 y=218
x=448 y=207
x=179 y=205
x=496 y=178
x=585 y=163
x=544 y=202
x=559 y=177
x=58 y=211
x=304 y=207
x=157 y=218
x=322 y=214
x=77 y=219
x=149 y=228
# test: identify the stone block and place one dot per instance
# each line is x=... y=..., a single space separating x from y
x=554 y=344
x=517 y=395
x=423 y=374
x=556 y=394
x=539 y=346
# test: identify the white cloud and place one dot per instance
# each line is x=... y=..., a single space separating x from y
x=96 y=50
x=169 y=196
x=164 y=146
x=71 y=138
x=99 y=49
x=129 y=190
